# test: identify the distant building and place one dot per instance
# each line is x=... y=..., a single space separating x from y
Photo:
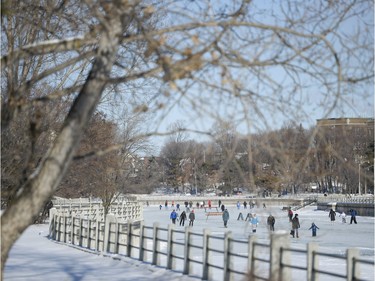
x=347 y=140
x=359 y=131
x=347 y=122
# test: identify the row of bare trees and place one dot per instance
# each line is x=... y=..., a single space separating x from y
x=290 y=159
x=255 y=62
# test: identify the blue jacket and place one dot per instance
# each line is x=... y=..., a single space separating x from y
x=254 y=220
x=313 y=227
x=173 y=215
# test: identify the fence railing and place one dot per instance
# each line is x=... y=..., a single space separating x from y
x=94 y=210
x=347 y=199
x=204 y=255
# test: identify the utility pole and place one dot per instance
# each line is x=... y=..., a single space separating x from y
x=195 y=178
x=359 y=178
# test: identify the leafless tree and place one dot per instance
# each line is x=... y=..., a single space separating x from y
x=250 y=63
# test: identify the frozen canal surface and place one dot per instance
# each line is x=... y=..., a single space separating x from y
x=333 y=238
x=34 y=257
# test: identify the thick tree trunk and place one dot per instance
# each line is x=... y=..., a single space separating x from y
x=41 y=186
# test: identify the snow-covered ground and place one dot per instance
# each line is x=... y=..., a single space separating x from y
x=35 y=257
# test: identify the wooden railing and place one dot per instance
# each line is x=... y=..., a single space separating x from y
x=204 y=255
x=84 y=208
x=347 y=199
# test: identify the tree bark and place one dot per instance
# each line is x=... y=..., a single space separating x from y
x=42 y=184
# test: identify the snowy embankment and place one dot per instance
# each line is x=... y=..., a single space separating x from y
x=35 y=257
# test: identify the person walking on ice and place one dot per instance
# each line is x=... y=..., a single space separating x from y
x=343 y=217
x=313 y=228
x=183 y=218
x=271 y=222
x=295 y=225
x=173 y=216
x=353 y=214
x=238 y=205
x=254 y=222
x=225 y=217
x=191 y=218
x=332 y=215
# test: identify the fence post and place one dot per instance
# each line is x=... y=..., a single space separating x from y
x=89 y=233
x=154 y=244
x=141 y=242
x=205 y=259
x=251 y=254
x=187 y=251
x=51 y=227
x=107 y=231
x=129 y=239
x=97 y=233
x=351 y=268
x=71 y=228
x=80 y=233
x=227 y=251
x=116 y=237
x=169 y=246
x=279 y=240
x=65 y=228
x=59 y=228
x=312 y=261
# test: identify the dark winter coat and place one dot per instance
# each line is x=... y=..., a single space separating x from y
x=183 y=216
x=295 y=223
x=191 y=216
x=225 y=215
x=332 y=215
x=271 y=220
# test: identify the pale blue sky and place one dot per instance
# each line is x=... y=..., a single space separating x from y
x=199 y=107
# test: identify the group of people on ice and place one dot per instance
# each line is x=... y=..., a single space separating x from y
x=353 y=216
x=182 y=217
x=253 y=220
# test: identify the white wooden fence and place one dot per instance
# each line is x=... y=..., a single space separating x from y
x=204 y=255
x=93 y=209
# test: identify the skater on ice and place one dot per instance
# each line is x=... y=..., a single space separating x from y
x=295 y=226
x=343 y=217
x=254 y=222
x=225 y=217
x=353 y=214
x=183 y=218
x=191 y=218
x=332 y=215
x=271 y=222
x=313 y=228
x=173 y=216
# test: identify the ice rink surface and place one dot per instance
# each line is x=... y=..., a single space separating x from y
x=332 y=237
